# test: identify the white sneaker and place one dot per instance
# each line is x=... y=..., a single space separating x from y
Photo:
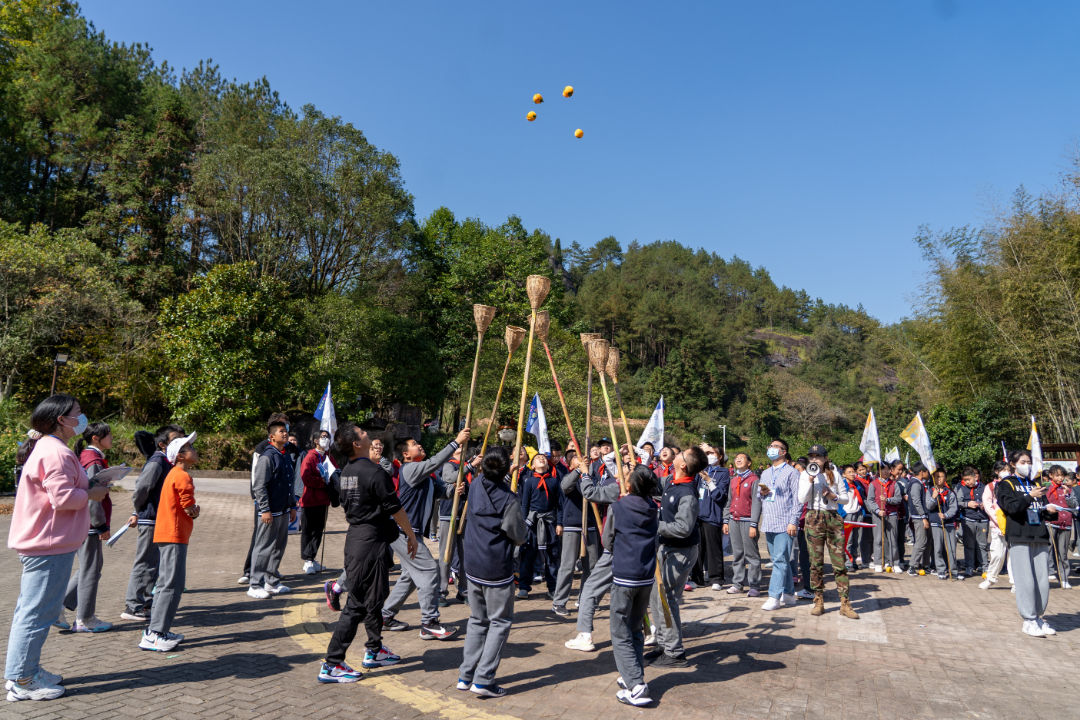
x=735 y=590
x=789 y=600
x=1031 y=627
x=36 y=689
x=1065 y=586
x=897 y=569
x=582 y=642
x=243 y=580
x=877 y=568
x=985 y=585
x=258 y=593
x=650 y=640
x=717 y=586
x=309 y=567
x=276 y=589
x=92 y=625
x=772 y=604
x=1046 y=629
x=159 y=643
x=638 y=696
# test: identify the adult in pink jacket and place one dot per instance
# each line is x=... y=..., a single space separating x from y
x=50 y=522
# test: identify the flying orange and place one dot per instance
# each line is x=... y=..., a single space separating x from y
x=568 y=91
x=531 y=116
x=538 y=98
x=579 y=133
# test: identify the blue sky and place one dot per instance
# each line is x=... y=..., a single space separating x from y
x=798 y=136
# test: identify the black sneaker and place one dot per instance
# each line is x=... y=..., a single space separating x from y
x=913 y=572
x=436 y=631
x=393 y=624
x=666 y=660
x=560 y=610
x=653 y=654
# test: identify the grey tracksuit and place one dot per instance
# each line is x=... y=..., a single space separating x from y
x=571 y=545
x=942 y=517
x=676 y=559
x=599 y=580
x=922 y=549
x=745 y=551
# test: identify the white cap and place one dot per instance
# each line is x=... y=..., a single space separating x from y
x=174 y=447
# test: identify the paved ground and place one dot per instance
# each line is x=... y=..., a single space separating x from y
x=923 y=649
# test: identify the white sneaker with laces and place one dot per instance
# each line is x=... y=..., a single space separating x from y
x=1031 y=627
x=638 y=696
x=650 y=640
x=1046 y=629
x=583 y=642
x=276 y=589
x=159 y=643
x=985 y=585
x=35 y=689
x=258 y=593
x=309 y=567
x=772 y=604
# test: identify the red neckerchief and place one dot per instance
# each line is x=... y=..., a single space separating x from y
x=681 y=481
x=739 y=483
x=886 y=487
x=971 y=493
x=541 y=483
x=665 y=470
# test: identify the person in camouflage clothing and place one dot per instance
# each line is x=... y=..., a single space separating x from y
x=821 y=491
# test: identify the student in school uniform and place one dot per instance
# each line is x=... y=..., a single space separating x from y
x=975 y=524
x=630 y=535
x=570 y=512
x=679 y=538
x=446 y=510
x=741 y=516
x=83 y=586
x=272 y=488
x=494 y=527
x=942 y=509
x=1061 y=495
x=417 y=488
x=712 y=497
x=884 y=502
x=144 y=499
x=919 y=487
x=177 y=511
x=540 y=507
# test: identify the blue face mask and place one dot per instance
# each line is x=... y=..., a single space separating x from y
x=81 y=423
x=773 y=453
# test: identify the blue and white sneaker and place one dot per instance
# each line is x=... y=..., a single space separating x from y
x=463 y=684
x=488 y=691
x=381 y=658
x=340 y=673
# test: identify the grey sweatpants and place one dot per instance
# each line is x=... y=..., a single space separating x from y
x=592 y=591
x=628 y=605
x=976 y=541
x=571 y=551
x=921 y=552
x=171 y=578
x=270 y=541
x=455 y=558
x=675 y=566
x=886 y=525
x=144 y=570
x=1059 y=551
x=1028 y=570
x=491 y=613
x=745 y=555
x=83 y=585
x=945 y=563
x=421 y=573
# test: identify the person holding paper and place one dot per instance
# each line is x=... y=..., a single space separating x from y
x=314 y=502
x=1061 y=497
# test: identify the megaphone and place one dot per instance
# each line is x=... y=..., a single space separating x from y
x=813 y=469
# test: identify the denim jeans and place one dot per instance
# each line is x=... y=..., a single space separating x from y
x=44 y=581
x=782 y=580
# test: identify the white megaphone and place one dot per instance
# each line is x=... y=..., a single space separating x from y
x=813 y=469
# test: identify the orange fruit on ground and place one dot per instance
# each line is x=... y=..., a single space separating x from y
x=531 y=116
x=538 y=98
x=579 y=133
x=568 y=91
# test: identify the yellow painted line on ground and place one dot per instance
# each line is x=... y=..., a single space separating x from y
x=301 y=618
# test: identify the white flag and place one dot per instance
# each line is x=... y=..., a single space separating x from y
x=325 y=413
x=870 y=445
x=915 y=436
x=893 y=455
x=1035 y=446
x=537 y=425
x=654 y=431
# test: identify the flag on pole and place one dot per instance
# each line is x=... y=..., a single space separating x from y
x=654 y=431
x=893 y=455
x=537 y=425
x=915 y=436
x=325 y=413
x=1035 y=446
x=870 y=445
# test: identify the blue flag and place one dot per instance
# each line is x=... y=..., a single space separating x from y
x=325 y=413
x=537 y=425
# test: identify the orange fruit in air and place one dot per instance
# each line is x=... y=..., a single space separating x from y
x=531 y=116
x=538 y=98
x=579 y=133
x=568 y=91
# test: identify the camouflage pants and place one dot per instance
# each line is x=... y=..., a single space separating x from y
x=826 y=527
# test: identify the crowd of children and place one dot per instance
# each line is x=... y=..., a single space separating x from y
x=644 y=527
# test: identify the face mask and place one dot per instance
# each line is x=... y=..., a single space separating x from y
x=1003 y=474
x=713 y=459
x=80 y=424
x=773 y=453
x=1023 y=470
x=324 y=443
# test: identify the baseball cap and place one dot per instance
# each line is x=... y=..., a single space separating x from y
x=818 y=450
x=176 y=445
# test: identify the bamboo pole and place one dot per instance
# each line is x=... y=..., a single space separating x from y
x=537 y=287
x=587 y=338
x=482 y=316
x=513 y=338
x=612 y=369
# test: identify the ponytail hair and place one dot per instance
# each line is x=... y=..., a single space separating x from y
x=94 y=429
x=43 y=420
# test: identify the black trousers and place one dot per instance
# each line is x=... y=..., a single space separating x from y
x=251 y=545
x=697 y=570
x=312 y=524
x=367 y=580
x=713 y=535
